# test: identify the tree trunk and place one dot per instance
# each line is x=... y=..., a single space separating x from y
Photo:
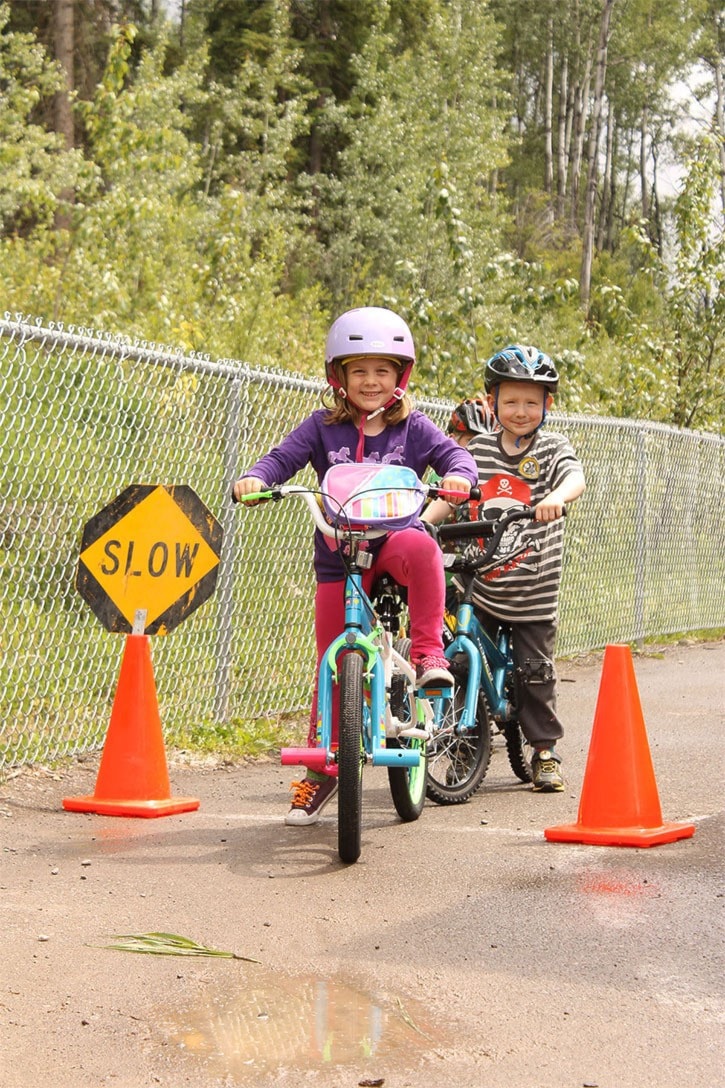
x=580 y=123
x=656 y=229
x=561 y=137
x=64 y=49
x=606 y=182
x=585 y=278
x=643 y=162
x=720 y=123
x=64 y=43
x=548 y=112
x=608 y=242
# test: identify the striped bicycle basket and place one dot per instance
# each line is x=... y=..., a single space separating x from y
x=372 y=496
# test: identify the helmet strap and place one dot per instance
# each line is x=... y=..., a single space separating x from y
x=360 y=451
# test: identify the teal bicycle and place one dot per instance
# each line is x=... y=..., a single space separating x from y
x=483 y=702
x=384 y=720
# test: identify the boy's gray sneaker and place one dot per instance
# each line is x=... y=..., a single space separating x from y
x=309 y=799
x=546 y=772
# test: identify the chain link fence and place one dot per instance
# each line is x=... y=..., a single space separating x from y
x=84 y=415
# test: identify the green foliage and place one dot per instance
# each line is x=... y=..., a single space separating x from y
x=241 y=185
x=671 y=353
x=35 y=168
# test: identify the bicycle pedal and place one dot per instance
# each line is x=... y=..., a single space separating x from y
x=443 y=692
x=414 y=733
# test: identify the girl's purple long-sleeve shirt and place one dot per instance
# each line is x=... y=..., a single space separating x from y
x=416 y=442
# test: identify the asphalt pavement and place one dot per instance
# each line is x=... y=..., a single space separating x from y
x=464 y=949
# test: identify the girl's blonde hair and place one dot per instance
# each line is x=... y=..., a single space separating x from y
x=341 y=409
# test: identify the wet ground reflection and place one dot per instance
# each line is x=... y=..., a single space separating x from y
x=273 y=1021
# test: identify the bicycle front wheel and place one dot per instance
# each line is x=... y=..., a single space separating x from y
x=458 y=762
x=407 y=784
x=350 y=758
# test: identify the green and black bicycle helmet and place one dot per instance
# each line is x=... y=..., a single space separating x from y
x=521 y=363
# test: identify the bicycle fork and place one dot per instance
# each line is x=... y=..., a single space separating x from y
x=488 y=667
x=375 y=649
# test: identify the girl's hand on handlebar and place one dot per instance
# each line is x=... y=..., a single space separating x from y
x=248 y=485
x=458 y=489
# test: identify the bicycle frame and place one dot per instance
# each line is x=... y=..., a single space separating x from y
x=490 y=665
x=490 y=661
x=485 y=694
x=363 y=633
x=374 y=643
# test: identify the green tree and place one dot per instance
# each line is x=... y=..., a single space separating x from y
x=35 y=167
x=409 y=217
x=669 y=352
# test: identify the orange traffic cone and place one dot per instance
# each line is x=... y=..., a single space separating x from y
x=619 y=805
x=133 y=779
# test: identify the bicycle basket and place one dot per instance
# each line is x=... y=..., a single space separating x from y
x=362 y=495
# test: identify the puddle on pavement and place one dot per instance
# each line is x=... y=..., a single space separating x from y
x=273 y=1022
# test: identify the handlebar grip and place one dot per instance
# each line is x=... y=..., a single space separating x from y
x=269 y=495
x=462 y=530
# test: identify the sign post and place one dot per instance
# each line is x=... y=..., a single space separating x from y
x=147 y=561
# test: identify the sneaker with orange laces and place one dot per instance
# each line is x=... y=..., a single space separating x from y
x=308 y=800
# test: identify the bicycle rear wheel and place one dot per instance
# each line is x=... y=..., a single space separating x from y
x=458 y=762
x=519 y=751
x=349 y=758
x=407 y=784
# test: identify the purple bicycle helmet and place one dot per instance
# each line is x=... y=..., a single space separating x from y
x=370 y=330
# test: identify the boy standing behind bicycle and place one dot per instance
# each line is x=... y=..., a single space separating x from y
x=368 y=359
x=523 y=465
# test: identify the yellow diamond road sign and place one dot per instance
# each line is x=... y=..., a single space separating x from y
x=154 y=549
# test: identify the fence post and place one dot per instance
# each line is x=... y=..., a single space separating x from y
x=640 y=537
x=225 y=582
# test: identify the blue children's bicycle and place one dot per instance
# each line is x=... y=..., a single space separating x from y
x=384 y=720
x=483 y=701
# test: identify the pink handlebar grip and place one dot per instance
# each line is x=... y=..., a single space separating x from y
x=314 y=758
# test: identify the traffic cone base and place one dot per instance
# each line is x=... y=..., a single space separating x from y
x=91 y=803
x=619 y=804
x=619 y=836
x=133 y=779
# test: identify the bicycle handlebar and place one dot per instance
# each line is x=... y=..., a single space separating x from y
x=491 y=531
x=281 y=491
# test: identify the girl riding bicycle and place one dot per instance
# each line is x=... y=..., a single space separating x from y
x=368 y=359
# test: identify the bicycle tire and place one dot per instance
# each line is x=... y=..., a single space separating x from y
x=457 y=763
x=407 y=784
x=519 y=751
x=349 y=759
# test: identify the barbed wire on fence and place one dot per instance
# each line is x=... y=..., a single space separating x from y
x=85 y=414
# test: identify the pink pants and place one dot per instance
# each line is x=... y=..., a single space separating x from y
x=414 y=560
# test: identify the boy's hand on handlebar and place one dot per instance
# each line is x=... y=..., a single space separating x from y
x=248 y=485
x=549 y=509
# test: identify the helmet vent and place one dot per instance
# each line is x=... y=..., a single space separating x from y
x=354 y=336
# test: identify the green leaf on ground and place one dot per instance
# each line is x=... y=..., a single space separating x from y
x=168 y=944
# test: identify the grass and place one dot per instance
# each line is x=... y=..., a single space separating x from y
x=242 y=739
